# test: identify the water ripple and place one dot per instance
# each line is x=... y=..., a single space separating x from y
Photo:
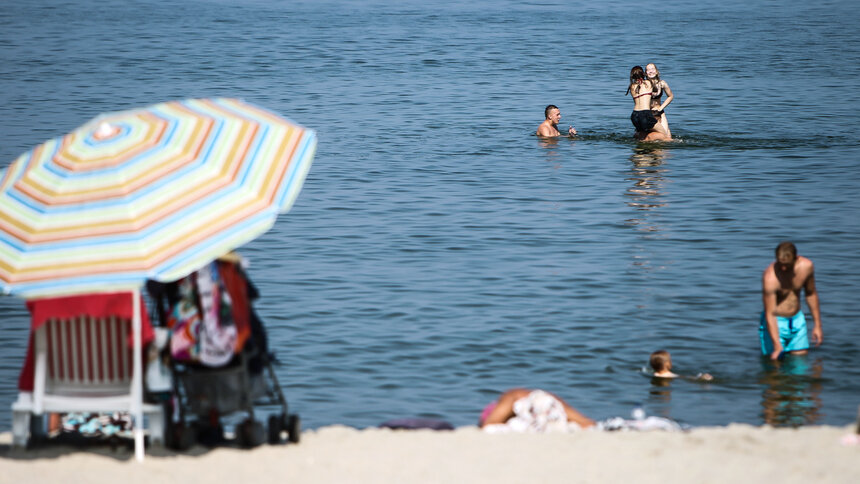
x=440 y=252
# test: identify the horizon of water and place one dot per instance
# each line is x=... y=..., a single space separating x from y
x=440 y=253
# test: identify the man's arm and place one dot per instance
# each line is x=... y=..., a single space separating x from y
x=768 y=296
x=812 y=301
x=505 y=406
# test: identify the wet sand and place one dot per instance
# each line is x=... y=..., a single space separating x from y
x=737 y=453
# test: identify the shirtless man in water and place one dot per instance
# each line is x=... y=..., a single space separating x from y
x=783 y=326
x=549 y=127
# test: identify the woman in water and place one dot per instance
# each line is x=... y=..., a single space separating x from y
x=658 y=87
x=642 y=117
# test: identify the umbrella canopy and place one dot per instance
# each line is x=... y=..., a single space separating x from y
x=151 y=193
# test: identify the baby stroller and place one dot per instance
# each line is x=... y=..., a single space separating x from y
x=219 y=359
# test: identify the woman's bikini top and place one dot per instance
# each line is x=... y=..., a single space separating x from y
x=640 y=94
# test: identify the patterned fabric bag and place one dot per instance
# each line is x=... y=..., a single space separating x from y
x=208 y=338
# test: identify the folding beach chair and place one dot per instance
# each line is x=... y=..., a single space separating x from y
x=80 y=360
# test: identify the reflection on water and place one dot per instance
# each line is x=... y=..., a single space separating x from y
x=660 y=397
x=551 y=152
x=551 y=149
x=548 y=143
x=791 y=389
x=645 y=196
x=648 y=176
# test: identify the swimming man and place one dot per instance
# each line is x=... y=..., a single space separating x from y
x=549 y=127
x=783 y=326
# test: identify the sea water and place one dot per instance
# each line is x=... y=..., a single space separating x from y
x=440 y=253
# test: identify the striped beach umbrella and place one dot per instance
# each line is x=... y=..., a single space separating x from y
x=152 y=193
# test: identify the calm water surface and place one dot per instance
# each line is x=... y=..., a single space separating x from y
x=440 y=253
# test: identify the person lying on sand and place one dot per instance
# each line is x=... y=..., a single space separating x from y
x=524 y=410
x=549 y=127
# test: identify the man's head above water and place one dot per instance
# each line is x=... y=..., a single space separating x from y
x=786 y=255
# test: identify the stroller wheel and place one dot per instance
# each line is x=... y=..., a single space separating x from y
x=294 y=428
x=275 y=429
x=180 y=437
x=209 y=435
x=250 y=433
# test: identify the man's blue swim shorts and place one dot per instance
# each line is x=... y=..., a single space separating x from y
x=792 y=333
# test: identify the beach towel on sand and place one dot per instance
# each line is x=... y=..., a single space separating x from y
x=648 y=423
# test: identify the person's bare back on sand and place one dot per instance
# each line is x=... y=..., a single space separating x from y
x=525 y=404
x=782 y=324
x=549 y=127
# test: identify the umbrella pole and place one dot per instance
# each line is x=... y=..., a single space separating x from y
x=137 y=378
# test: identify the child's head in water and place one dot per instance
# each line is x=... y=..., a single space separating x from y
x=661 y=362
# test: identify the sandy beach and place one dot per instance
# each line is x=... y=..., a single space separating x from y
x=737 y=453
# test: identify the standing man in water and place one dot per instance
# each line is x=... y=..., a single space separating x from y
x=783 y=326
x=549 y=127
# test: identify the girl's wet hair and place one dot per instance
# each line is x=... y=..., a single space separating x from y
x=655 y=82
x=659 y=359
x=637 y=75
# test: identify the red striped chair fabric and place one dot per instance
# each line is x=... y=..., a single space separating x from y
x=87 y=355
